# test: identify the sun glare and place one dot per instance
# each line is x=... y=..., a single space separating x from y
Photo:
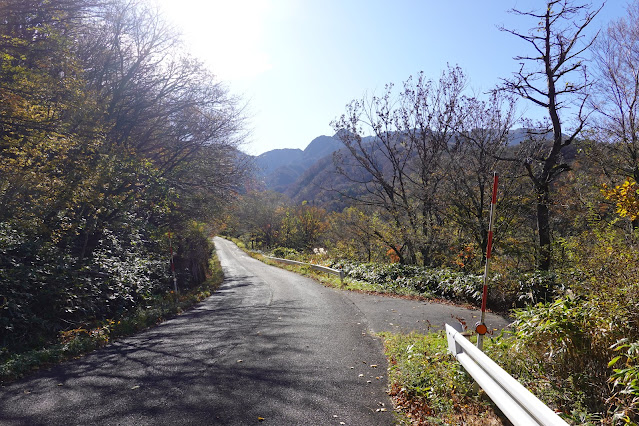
x=227 y=35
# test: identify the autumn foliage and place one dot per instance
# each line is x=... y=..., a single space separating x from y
x=110 y=138
x=625 y=197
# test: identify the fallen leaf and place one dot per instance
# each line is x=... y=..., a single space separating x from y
x=260 y=419
x=361 y=375
x=239 y=360
x=135 y=387
x=373 y=365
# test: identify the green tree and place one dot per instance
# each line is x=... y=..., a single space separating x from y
x=110 y=136
x=312 y=224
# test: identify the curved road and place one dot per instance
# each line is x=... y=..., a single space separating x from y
x=268 y=347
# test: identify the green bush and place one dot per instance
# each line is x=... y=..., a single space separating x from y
x=70 y=343
x=565 y=348
x=192 y=253
x=45 y=290
x=539 y=286
x=285 y=253
x=448 y=284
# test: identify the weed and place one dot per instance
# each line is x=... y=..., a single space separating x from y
x=429 y=386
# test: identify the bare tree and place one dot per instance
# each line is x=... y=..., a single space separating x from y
x=553 y=77
x=429 y=118
x=480 y=141
x=377 y=163
x=616 y=54
x=400 y=165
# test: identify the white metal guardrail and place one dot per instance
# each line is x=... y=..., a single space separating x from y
x=316 y=267
x=514 y=400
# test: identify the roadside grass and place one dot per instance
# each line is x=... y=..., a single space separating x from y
x=406 y=281
x=326 y=279
x=333 y=281
x=429 y=387
x=79 y=341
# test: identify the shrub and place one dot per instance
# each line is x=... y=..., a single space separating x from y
x=624 y=400
x=539 y=286
x=571 y=342
x=284 y=252
x=432 y=282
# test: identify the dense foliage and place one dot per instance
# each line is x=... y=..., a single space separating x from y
x=114 y=146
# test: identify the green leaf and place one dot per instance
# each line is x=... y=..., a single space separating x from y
x=613 y=361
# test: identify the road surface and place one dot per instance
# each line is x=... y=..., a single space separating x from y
x=269 y=347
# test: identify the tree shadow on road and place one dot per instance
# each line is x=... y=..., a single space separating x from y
x=223 y=362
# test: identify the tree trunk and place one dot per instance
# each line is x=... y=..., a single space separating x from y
x=543 y=224
x=426 y=261
x=635 y=176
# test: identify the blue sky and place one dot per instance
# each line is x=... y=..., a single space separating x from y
x=298 y=63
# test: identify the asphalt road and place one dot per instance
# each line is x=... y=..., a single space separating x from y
x=270 y=347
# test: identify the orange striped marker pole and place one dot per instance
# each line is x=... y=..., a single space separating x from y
x=480 y=327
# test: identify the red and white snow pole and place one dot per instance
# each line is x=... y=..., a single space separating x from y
x=480 y=327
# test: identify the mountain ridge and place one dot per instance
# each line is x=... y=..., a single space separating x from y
x=280 y=168
x=309 y=174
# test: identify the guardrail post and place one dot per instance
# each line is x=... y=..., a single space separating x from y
x=453 y=347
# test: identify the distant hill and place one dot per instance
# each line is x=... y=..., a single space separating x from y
x=318 y=183
x=270 y=161
x=280 y=168
x=310 y=175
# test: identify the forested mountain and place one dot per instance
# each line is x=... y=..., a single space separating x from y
x=280 y=168
x=310 y=174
